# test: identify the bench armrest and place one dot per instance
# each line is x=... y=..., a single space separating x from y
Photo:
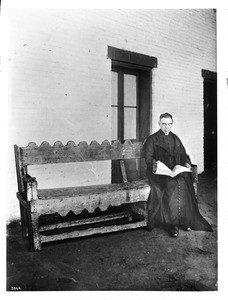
x=194 y=169
x=28 y=178
x=30 y=187
x=194 y=174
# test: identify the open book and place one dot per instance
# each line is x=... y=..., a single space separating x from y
x=162 y=169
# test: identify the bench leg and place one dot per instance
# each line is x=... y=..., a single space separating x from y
x=24 y=221
x=150 y=221
x=139 y=209
x=34 y=235
x=149 y=212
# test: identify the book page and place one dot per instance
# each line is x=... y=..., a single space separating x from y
x=180 y=169
x=162 y=169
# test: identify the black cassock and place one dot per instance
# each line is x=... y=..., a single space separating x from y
x=172 y=200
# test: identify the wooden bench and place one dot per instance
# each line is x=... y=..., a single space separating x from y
x=130 y=198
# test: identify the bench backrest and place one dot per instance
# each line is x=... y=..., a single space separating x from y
x=58 y=153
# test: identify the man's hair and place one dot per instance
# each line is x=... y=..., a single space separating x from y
x=166 y=115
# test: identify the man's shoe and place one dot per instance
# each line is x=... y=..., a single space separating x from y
x=174 y=231
x=187 y=228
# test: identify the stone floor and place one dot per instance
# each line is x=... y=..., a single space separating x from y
x=134 y=260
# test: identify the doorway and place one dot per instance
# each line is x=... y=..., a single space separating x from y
x=210 y=120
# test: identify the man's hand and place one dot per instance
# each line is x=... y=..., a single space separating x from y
x=188 y=165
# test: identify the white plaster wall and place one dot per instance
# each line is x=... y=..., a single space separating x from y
x=60 y=76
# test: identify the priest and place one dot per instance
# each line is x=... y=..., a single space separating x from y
x=172 y=201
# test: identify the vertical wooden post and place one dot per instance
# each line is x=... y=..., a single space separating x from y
x=24 y=221
x=33 y=223
x=35 y=242
x=123 y=171
x=195 y=179
x=21 y=190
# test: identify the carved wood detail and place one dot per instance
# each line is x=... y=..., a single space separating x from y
x=58 y=153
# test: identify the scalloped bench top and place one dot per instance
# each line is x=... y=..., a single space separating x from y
x=58 y=153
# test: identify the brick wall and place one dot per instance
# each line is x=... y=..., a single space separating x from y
x=60 y=78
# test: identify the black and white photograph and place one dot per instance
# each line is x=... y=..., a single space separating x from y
x=112 y=152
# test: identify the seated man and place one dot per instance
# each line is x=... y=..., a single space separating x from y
x=172 y=200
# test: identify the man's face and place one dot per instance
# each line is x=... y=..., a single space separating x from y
x=166 y=125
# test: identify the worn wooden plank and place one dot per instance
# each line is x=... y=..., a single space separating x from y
x=24 y=220
x=33 y=222
x=47 y=154
x=91 y=189
x=21 y=190
x=62 y=204
x=35 y=240
x=23 y=202
x=195 y=179
x=19 y=168
x=78 y=203
x=92 y=231
x=29 y=191
x=123 y=171
x=34 y=190
x=32 y=193
x=127 y=150
x=194 y=173
x=30 y=228
x=86 y=221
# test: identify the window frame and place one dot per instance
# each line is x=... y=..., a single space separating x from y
x=141 y=64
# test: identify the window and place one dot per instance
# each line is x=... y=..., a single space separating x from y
x=131 y=94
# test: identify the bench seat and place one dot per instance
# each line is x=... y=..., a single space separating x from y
x=61 y=200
